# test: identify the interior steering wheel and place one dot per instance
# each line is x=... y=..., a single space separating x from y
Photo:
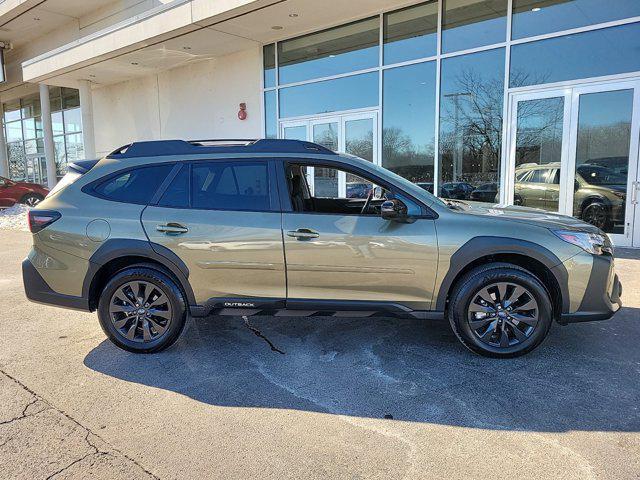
x=365 y=207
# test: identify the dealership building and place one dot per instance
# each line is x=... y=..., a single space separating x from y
x=531 y=102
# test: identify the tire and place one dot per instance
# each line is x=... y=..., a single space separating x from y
x=31 y=199
x=159 y=320
x=524 y=297
x=596 y=213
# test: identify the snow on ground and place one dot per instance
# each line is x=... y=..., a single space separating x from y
x=14 y=218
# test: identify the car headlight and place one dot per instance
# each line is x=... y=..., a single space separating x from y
x=594 y=243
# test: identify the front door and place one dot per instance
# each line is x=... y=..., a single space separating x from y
x=337 y=250
x=575 y=151
x=354 y=133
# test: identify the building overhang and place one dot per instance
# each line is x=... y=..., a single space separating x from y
x=185 y=31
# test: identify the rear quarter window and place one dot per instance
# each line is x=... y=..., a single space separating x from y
x=137 y=185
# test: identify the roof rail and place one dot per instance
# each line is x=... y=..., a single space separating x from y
x=182 y=147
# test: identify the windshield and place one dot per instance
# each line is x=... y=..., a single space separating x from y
x=595 y=175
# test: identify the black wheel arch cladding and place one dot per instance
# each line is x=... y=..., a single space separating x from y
x=116 y=248
x=484 y=246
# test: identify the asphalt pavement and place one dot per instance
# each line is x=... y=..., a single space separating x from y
x=337 y=398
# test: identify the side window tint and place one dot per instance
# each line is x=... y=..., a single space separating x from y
x=233 y=185
x=177 y=194
x=134 y=186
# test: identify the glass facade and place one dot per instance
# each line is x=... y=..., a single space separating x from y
x=471 y=99
x=24 y=134
x=539 y=17
x=607 y=51
x=439 y=90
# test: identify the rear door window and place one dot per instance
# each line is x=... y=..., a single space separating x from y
x=137 y=185
x=233 y=185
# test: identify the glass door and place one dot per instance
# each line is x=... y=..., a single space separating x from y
x=575 y=151
x=356 y=134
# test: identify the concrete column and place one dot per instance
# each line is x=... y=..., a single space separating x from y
x=4 y=155
x=47 y=127
x=86 y=108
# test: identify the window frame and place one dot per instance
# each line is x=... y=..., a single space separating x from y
x=274 y=198
x=285 y=196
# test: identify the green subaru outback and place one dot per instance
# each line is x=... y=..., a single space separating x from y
x=157 y=231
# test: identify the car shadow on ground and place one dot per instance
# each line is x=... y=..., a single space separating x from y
x=584 y=377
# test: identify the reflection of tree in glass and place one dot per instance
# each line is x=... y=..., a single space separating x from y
x=16 y=161
x=471 y=125
x=402 y=156
x=539 y=131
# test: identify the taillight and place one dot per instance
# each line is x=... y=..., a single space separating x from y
x=39 y=219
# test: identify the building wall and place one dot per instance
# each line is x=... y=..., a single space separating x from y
x=200 y=100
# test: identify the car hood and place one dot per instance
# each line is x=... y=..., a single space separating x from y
x=526 y=215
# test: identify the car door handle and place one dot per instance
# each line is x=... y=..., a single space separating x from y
x=303 y=234
x=172 y=229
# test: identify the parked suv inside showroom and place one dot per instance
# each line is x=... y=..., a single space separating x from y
x=159 y=230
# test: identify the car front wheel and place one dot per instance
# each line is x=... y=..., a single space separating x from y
x=142 y=310
x=500 y=310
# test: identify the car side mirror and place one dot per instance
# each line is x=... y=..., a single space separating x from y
x=393 y=209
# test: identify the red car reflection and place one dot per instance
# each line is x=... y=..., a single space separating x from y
x=20 y=192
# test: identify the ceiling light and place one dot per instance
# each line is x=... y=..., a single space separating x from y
x=134 y=63
x=186 y=48
x=276 y=27
x=293 y=15
x=536 y=9
x=37 y=19
x=92 y=75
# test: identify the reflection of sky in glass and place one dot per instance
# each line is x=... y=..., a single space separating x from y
x=269 y=59
x=296 y=133
x=590 y=54
x=461 y=31
x=345 y=93
x=410 y=33
x=545 y=16
x=271 y=122
x=409 y=115
x=343 y=49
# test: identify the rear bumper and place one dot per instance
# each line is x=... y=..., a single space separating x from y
x=602 y=297
x=38 y=291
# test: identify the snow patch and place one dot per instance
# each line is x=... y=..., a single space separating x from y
x=15 y=218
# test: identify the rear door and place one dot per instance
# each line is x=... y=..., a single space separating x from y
x=222 y=218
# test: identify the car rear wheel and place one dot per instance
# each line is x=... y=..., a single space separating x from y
x=500 y=310
x=31 y=199
x=142 y=310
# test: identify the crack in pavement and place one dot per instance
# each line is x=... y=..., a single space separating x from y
x=96 y=451
x=258 y=333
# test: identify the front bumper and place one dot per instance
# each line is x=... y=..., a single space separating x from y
x=602 y=296
x=38 y=291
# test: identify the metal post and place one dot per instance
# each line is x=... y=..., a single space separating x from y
x=47 y=127
x=4 y=155
x=86 y=108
